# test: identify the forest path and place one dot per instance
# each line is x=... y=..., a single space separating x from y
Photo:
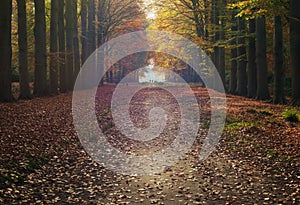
x=43 y=162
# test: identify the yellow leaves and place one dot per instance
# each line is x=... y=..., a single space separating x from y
x=255 y=8
x=240 y=4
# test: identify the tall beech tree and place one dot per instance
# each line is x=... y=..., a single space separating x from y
x=91 y=32
x=54 y=55
x=40 y=73
x=242 y=64
x=75 y=39
x=216 y=32
x=5 y=50
x=251 y=65
x=222 y=39
x=295 y=49
x=69 y=44
x=72 y=45
x=233 y=69
x=102 y=12
x=84 y=42
x=261 y=59
x=278 y=64
x=62 y=47
x=23 y=51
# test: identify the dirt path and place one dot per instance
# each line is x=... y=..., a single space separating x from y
x=42 y=161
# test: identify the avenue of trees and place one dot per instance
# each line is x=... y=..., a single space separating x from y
x=255 y=44
x=46 y=42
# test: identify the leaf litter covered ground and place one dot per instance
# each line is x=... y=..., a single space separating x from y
x=43 y=162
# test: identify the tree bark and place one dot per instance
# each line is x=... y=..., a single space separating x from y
x=206 y=16
x=62 y=48
x=69 y=45
x=252 y=70
x=84 y=47
x=75 y=39
x=91 y=27
x=233 y=70
x=295 y=50
x=222 y=38
x=212 y=24
x=216 y=36
x=242 y=64
x=261 y=60
x=5 y=50
x=279 y=64
x=101 y=19
x=197 y=18
x=54 y=56
x=40 y=75
x=23 y=51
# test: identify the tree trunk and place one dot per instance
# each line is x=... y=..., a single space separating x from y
x=54 y=56
x=76 y=58
x=222 y=65
x=62 y=47
x=40 y=75
x=261 y=60
x=100 y=15
x=84 y=47
x=75 y=38
x=222 y=38
x=233 y=71
x=252 y=70
x=5 y=50
x=197 y=18
x=216 y=38
x=23 y=51
x=242 y=64
x=278 y=65
x=69 y=45
x=101 y=35
x=91 y=27
x=115 y=72
x=212 y=24
x=206 y=6
x=295 y=50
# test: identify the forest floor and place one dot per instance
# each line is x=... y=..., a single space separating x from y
x=42 y=161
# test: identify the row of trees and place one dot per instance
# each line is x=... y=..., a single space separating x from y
x=245 y=40
x=58 y=56
x=248 y=34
